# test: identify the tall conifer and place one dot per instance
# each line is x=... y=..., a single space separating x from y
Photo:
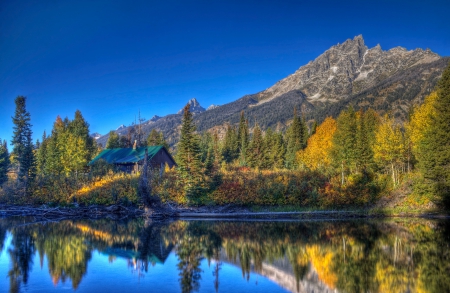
x=243 y=139
x=256 y=149
x=22 y=141
x=4 y=162
x=296 y=138
x=230 y=149
x=42 y=154
x=189 y=155
x=344 y=143
x=435 y=145
x=113 y=140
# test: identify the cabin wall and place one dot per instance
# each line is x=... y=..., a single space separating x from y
x=162 y=158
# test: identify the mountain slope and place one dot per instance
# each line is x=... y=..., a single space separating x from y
x=346 y=74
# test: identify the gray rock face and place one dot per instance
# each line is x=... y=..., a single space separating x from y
x=347 y=69
x=212 y=107
x=195 y=107
x=155 y=118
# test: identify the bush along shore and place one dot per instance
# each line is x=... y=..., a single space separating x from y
x=234 y=192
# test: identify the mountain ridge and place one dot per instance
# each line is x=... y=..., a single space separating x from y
x=346 y=74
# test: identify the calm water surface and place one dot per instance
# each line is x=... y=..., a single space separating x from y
x=403 y=255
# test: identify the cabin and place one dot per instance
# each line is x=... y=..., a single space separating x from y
x=130 y=160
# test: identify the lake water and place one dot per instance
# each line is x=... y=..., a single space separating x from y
x=397 y=255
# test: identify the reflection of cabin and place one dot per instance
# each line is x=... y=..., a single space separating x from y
x=132 y=159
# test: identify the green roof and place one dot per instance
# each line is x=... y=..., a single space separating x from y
x=126 y=155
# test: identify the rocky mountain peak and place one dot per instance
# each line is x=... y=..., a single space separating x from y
x=346 y=69
x=155 y=118
x=195 y=107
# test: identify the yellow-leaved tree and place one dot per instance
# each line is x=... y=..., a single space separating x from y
x=389 y=147
x=317 y=156
x=420 y=121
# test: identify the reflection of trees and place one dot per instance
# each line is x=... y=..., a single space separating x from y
x=21 y=255
x=67 y=251
x=189 y=252
x=403 y=256
x=433 y=257
x=151 y=245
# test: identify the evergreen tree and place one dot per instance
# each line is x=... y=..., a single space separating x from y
x=365 y=137
x=74 y=152
x=188 y=156
x=344 y=143
x=162 y=141
x=156 y=138
x=79 y=128
x=124 y=142
x=22 y=141
x=296 y=137
x=42 y=154
x=53 y=153
x=313 y=128
x=279 y=151
x=152 y=138
x=113 y=140
x=243 y=139
x=269 y=149
x=230 y=149
x=205 y=146
x=435 y=148
x=4 y=162
x=255 y=154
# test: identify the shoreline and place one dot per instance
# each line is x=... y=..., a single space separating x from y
x=118 y=212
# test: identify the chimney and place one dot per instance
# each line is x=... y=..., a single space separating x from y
x=134 y=145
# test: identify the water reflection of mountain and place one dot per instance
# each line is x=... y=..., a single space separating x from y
x=280 y=271
x=404 y=256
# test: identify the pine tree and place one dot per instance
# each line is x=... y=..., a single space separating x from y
x=279 y=151
x=255 y=155
x=313 y=128
x=80 y=129
x=113 y=140
x=53 y=153
x=152 y=138
x=344 y=143
x=42 y=154
x=4 y=162
x=162 y=141
x=435 y=148
x=205 y=145
x=242 y=137
x=22 y=141
x=230 y=149
x=269 y=149
x=365 y=137
x=188 y=156
x=296 y=138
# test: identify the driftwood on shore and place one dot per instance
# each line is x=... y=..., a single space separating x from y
x=164 y=211
x=95 y=211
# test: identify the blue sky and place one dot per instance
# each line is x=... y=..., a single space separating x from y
x=112 y=59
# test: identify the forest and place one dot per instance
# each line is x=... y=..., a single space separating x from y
x=353 y=160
